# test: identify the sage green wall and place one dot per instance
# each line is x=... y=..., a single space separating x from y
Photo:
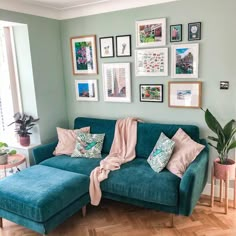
x=48 y=81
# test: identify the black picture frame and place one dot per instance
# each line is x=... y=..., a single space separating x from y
x=194 y=31
x=177 y=35
x=148 y=98
x=122 y=49
x=106 y=45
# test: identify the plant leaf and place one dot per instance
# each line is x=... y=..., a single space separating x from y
x=232 y=145
x=228 y=129
x=213 y=138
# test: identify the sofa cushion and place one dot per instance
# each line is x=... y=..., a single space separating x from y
x=137 y=180
x=39 y=192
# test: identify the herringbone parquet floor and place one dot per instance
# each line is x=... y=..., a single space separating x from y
x=117 y=219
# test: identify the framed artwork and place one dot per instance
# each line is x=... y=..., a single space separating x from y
x=106 y=47
x=194 y=31
x=123 y=46
x=184 y=61
x=116 y=82
x=151 y=92
x=84 y=57
x=151 y=33
x=185 y=94
x=86 y=90
x=176 y=33
x=151 y=62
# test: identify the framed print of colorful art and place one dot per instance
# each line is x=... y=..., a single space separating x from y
x=151 y=33
x=86 y=90
x=106 y=47
x=151 y=92
x=176 y=33
x=84 y=57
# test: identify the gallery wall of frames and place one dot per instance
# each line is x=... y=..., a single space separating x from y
x=151 y=55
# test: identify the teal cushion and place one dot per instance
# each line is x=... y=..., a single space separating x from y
x=136 y=180
x=161 y=153
x=39 y=192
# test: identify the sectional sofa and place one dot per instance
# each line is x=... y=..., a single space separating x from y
x=45 y=195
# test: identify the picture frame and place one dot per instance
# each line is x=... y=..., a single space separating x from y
x=194 y=31
x=151 y=92
x=86 y=90
x=116 y=82
x=176 y=33
x=151 y=62
x=151 y=33
x=84 y=55
x=184 y=94
x=106 y=47
x=123 y=46
x=184 y=60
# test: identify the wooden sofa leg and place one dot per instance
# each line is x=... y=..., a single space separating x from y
x=84 y=211
x=1 y=225
x=172 y=221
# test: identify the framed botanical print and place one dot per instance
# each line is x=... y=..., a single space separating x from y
x=106 y=47
x=123 y=46
x=86 y=90
x=176 y=33
x=151 y=92
x=194 y=31
x=84 y=56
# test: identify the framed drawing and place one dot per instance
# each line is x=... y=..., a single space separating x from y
x=194 y=31
x=106 y=47
x=176 y=33
x=116 y=82
x=86 y=90
x=185 y=94
x=123 y=46
x=84 y=57
x=151 y=92
x=151 y=33
x=151 y=62
x=184 y=61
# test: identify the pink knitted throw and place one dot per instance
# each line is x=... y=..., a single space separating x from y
x=122 y=151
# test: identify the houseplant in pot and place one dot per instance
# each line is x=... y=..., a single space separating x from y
x=24 y=123
x=4 y=152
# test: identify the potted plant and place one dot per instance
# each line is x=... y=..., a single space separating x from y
x=224 y=142
x=24 y=123
x=4 y=152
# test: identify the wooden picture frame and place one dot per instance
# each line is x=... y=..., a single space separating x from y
x=151 y=92
x=123 y=46
x=106 y=47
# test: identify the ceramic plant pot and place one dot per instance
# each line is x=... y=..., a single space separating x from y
x=220 y=170
x=3 y=159
x=25 y=140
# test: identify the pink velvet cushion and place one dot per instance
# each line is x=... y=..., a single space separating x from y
x=185 y=151
x=67 y=140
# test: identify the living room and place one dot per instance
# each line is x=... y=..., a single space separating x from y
x=48 y=78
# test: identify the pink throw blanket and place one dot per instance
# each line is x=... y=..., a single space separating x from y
x=122 y=151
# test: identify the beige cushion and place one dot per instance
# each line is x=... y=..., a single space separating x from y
x=185 y=151
x=67 y=140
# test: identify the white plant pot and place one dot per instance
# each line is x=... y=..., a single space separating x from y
x=3 y=159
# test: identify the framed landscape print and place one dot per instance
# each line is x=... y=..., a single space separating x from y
x=123 y=46
x=106 y=47
x=116 y=82
x=151 y=33
x=176 y=33
x=84 y=57
x=151 y=62
x=86 y=90
x=151 y=92
x=185 y=94
x=184 y=61
x=194 y=31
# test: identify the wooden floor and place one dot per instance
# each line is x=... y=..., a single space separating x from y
x=118 y=219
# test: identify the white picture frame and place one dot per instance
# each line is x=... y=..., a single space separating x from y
x=86 y=90
x=116 y=82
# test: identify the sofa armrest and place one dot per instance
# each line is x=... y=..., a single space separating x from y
x=44 y=152
x=193 y=182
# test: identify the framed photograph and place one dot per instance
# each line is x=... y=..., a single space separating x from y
x=151 y=33
x=194 y=31
x=151 y=92
x=84 y=56
x=106 y=47
x=185 y=94
x=176 y=33
x=86 y=90
x=151 y=62
x=184 y=61
x=116 y=82
x=123 y=46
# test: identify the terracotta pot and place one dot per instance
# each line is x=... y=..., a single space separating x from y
x=25 y=140
x=3 y=159
x=220 y=170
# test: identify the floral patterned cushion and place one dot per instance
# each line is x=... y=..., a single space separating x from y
x=88 y=145
x=161 y=153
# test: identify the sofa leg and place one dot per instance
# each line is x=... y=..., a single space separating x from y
x=84 y=211
x=172 y=221
x=1 y=224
